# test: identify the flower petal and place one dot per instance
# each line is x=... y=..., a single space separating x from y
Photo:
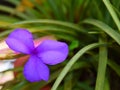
x=52 y=57
x=35 y=70
x=21 y=40
x=52 y=52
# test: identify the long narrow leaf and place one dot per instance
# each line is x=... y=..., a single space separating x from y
x=112 y=12
x=104 y=27
x=49 y=22
x=71 y=63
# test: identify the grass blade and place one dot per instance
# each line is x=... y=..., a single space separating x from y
x=104 y=27
x=103 y=56
x=50 y=22
x=112 y=12
x=71 y=62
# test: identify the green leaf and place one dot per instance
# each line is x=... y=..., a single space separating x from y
x=74 y=44
x=41 y=9
x=68 y=82
x=13 y=11
x=102 y=64
x=55 y=9
x=104 y=27
x=49 y=22
x=114 y=66
x=20 y=85
x=71 y=63
x=112 y=12
x=84 y=86
x=7 y=18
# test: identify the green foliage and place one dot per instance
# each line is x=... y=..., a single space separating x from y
x=91 y=29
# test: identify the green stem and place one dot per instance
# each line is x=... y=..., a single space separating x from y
x=71 y=63
x=101 y=65
x=112 y=12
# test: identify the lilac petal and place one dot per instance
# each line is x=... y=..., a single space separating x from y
x=17 y=46
x=35 y=70
x=52 y=57
x=52 y=52
x=20 y=40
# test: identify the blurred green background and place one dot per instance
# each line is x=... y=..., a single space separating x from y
x=91 y=28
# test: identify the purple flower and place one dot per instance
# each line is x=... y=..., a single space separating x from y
x=49 y=52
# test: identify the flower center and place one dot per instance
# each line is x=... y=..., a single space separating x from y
x=34 y=52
